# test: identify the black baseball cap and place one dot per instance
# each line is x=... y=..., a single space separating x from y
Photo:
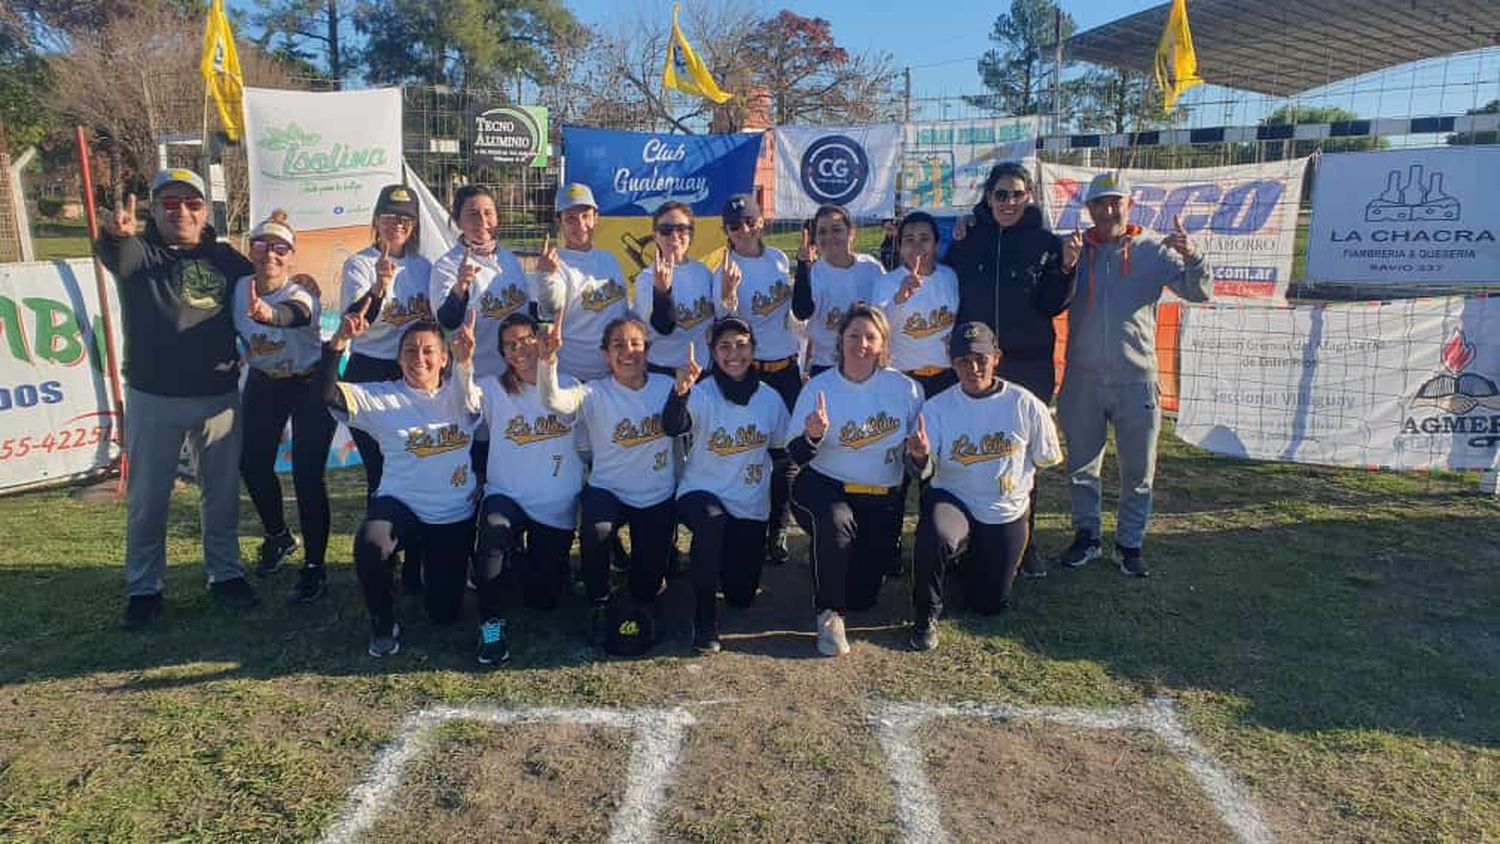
x=741 y=206
x=397 y=199
x=972 y=338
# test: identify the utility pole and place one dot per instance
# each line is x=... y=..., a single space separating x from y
x=906 y=108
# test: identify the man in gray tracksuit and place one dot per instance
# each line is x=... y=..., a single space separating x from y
x=1111 y=371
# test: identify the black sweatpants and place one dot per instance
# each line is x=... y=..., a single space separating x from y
x=726 y=551
x=363 y=369
x=852 y=536
x=652 y=530
x=389 y=526
x=268 y=403
x=536 y=553
x=944 y=533
x=787 y=382
x=1039 y=376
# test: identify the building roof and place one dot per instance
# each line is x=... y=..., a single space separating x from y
x=1284 y=47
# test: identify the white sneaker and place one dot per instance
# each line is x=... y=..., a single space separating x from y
x=831 y=638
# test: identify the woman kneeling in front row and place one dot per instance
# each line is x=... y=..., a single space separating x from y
x=982 y=440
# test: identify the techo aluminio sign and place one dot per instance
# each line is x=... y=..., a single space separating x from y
x=510 y=135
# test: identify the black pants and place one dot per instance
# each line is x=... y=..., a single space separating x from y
x=787 y=382
x=1039 y=376
x=651 y=534
x=268 y=403
x=390 y=526
x=852 y=537
x=535 y=553
x=944 y=533
x=363 y=369
x=726 y=551
x=933 y=384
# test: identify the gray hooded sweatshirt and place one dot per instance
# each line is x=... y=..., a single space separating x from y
x=1112 y=321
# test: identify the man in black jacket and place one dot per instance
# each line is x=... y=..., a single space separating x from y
x=175 y=282
x=1015 y=275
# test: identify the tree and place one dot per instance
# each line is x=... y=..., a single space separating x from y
x=25 y=107
x=461 y=43
x=1297 y=115
x=299 y=32
x=1472 y=138
x=811 y=79
x=1018 y=71
x=1115 y=100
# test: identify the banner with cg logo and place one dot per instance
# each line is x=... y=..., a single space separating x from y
x=852 y=166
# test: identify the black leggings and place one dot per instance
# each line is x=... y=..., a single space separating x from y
x=652 y=531
x=726 y=551
x=852 y=537
x=390 y=525
x=268 y=403
x=363 y=369
x=540 y=562
x=787 y=382
x=945 y=532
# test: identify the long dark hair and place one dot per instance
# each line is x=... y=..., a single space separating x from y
x=509 y=379
x=1007 y=170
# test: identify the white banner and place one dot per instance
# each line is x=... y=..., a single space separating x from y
x=852 y=166
x=322 y=157
x=1409 y=384
x=54 y=397
x=944 y=164
x=1244 y=216
x=1407 y=216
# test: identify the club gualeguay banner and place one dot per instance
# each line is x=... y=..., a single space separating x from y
x=1410 y=384
x=1244 y=216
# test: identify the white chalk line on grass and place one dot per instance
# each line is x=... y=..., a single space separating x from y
x=916 y=804
x=653 y=756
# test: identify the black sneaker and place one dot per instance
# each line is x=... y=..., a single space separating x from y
x=777 y=552
x=235 y=594
x=924 y=635
x=1131 y=562
x=274 y=550
x=384 y=642
x=312 y=582
x=141 y=610
x=1032 y=565
x=1085 y=547
x=706 y=632
x=493 y=647
x=598 y=624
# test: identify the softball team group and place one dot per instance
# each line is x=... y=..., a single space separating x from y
x=498 y=413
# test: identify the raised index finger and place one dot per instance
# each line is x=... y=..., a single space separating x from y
x=1177 y=223
x=822 y=402
x=130 y=206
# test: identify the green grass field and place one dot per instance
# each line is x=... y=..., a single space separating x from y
x=1331 y=637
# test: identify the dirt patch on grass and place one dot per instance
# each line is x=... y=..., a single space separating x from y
x=553 y=782
x=1026 y=781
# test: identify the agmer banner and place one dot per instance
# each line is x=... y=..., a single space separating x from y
x=634 y=173
x=1410 y=384
x=1244 y=215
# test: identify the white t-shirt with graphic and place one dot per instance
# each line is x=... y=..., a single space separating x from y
x=729 y=456
x=272 y=349
x=765 y=301
x=693 y=296
x=868 y=422
x=833 y=291
x=919 y=326
x=407 y=302
x=985 y=451
x=534 y=457
x=632 y=453
x=425 y=440
x=594 y=293
x=500 y=288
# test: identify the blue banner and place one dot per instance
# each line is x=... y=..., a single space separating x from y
x=634 y=173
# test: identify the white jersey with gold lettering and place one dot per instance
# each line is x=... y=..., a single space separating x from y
x=833 y=291
x=765 y=301
x=500 y=288
x=409 y=300
x=693 y=297
x=593 y=293
x=868 y=422
x=272 y=349
x=632 y=453
x=985 y=450
x=534 y=458
x=729 y=456
x=919 y=326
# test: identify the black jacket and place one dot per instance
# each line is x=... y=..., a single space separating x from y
x=176 y=307
x=1012 y=280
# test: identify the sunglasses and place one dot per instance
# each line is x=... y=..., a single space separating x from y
x=743 y=225
x=515 y=345
x=175 y=203
x=669 y=229
x=261 y=247
x=396 y=220
x=1002 y=195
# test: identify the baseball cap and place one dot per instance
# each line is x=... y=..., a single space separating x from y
x=576 y=193
x=741 y=206
x=1107 y=184
x=971 y=338
x=397 y=199
x=178 y=175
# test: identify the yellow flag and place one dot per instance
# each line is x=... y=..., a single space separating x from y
x=1176 y=62
x=220 y=66
x=685 y=71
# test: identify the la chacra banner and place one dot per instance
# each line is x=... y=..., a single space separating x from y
x=944 y=164
x=322 y=157
x=852 y=166
x=634 y=173
x=509 y=135
x=1243 y=216
x=1410 y=384
x=1409 y=216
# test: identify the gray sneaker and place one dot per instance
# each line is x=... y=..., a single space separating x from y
x=924 y=635
x=1085 y=547
x=384 y=643
x=831 y=638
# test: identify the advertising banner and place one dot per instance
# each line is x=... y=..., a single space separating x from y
x=852 y=166
x=944 y=164
x=634 y=173
x=1243 y=216
x=322 y=157
x=1407 y=216
x=1410 y=384
x=509 y=135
